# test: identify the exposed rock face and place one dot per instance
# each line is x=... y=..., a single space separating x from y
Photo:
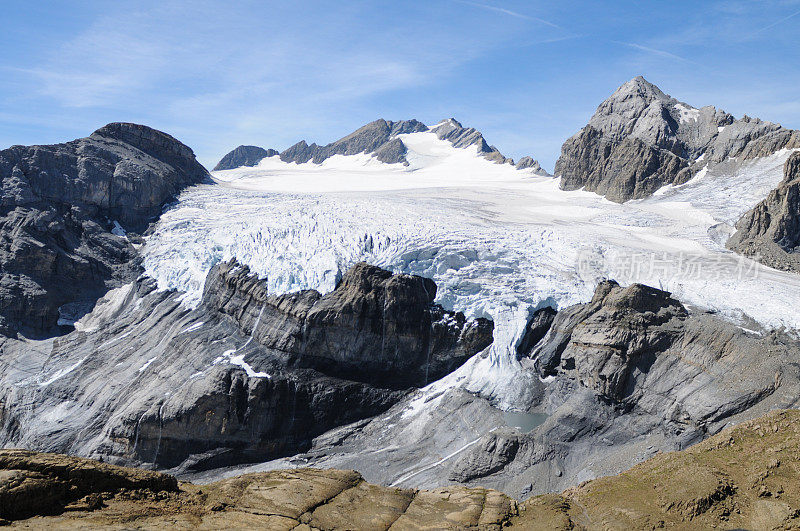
x=604 y=341
x=629 y=373
x=770 y=232
x=376 y=137
x=392 y=152
x=245 y=377
x=641 y=139
x=58 y=240
x=124 y=171
x=113 y=497
x=42 y=484
x=463 y=137
x=492 y=453
x=529 y=163
x=375 y=327
x=244 y=156
x=537 y=327
x=618 y=169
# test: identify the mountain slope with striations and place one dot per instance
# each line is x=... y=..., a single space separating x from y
x=641 y=139
x=441 y=318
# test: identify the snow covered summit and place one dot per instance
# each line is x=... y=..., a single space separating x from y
x=382 y=140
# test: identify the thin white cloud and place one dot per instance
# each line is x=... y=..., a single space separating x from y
x=781 y=21
x=654 y=51
x=509 y=12
x=111 y=65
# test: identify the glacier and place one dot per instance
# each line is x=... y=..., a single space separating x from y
x=499 y=242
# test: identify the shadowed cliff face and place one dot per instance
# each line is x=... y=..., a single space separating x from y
x=770 y=232
x=641 y=139
x=59 y=243
x=375 y=327
x=247 y=376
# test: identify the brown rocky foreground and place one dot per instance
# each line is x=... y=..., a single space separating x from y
x=745 y=477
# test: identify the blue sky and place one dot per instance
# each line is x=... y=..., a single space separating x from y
x=527 y=74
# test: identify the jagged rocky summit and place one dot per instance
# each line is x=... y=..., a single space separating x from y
x=65 y=210
x=247 y=376
x=641 y=139
x=377 y=138
x=244 y=156
x=380 y=139
x=770 y=232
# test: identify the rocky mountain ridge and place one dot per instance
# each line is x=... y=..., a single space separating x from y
x=770 y=232
x=378 y=138
x=64 y=211
x=641 y=139
x=247 y=376
x=244 y=156
x=617 y=379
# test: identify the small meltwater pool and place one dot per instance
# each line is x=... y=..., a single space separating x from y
x=525 y=422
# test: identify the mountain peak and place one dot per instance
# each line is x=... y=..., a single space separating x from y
x=644 y=139
x=449 y=122
x=244 y=156
x=638 y=88
x=380 y=138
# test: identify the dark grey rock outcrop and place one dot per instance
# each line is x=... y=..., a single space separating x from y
x=299 y=153
x=376 y=137
x=491 y=454
x=124 y=171
x=538 y=326
x=628 y=374
x=600 y=343
x=617 y=169
x=770 y=232
x=641 y=139
x=391 y=152
x=375 y=327
x=244 y=156
x=58 y=207
x=247 y=376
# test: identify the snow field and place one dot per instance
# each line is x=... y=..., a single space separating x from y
x=498 y=242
